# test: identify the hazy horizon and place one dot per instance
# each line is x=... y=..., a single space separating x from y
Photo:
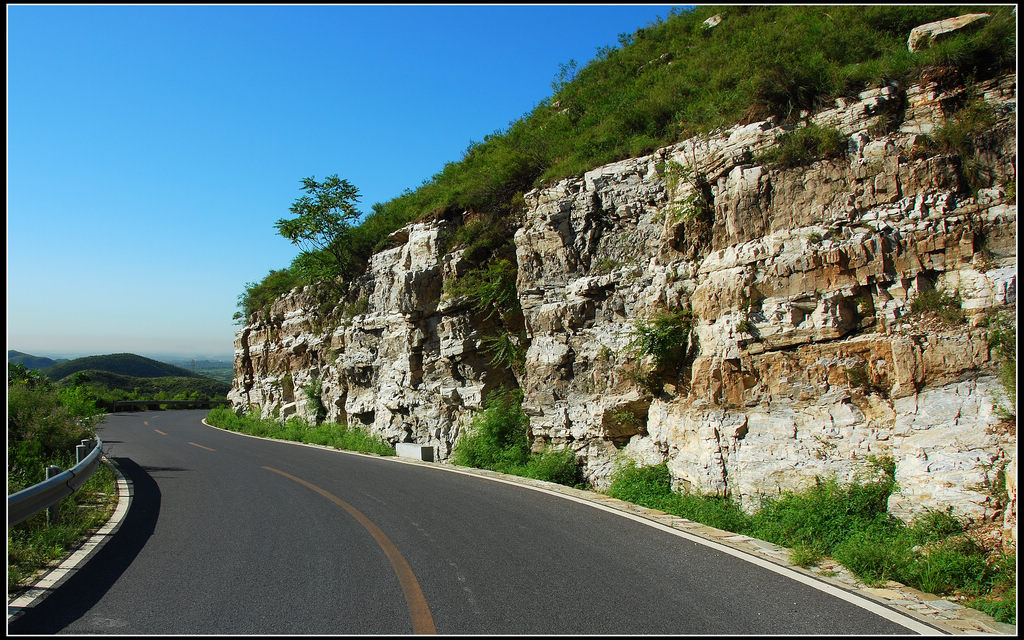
x=153 y=355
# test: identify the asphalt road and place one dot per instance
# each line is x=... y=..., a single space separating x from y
x=234 y=535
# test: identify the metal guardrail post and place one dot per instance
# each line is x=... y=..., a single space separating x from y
x=53 y=511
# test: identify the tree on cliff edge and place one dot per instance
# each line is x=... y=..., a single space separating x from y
x=323 y=220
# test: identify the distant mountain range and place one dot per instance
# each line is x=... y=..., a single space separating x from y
x=31 y=361
x=128 y=371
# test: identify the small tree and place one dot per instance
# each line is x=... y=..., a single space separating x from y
x=323 y=218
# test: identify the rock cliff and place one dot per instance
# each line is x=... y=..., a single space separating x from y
x=804 y=359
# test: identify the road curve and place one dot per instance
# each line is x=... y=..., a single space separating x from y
x=235 y=535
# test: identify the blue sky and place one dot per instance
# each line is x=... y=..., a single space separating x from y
x=150 y=149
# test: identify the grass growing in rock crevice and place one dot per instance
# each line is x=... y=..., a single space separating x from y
x=331 y=434
x=849 y=523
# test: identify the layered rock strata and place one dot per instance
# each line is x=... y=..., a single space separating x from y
x=805 y=359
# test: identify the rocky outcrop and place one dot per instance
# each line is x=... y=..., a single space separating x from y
x=804 y=359
x=927 y=34
x=404 y=362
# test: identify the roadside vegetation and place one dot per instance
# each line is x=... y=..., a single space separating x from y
x=668 y=81
x=849 y=523
x=44 y=424
x=498 y=439
x=330 y=434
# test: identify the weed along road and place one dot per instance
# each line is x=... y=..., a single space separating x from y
x=228 y=534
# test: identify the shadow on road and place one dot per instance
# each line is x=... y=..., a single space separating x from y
x=74 y=597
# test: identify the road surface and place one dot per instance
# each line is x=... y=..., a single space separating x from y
x=228 y=534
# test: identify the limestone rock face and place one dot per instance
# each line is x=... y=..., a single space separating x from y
x=926 y=34
x=804 y=358
x=407 y=367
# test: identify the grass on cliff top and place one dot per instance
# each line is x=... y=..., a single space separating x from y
x=666 y=82
x=850 y=524
x=329 y=434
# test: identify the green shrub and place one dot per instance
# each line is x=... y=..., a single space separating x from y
x=360 y=306
x=44 y=425
x=960 y=135
x=491 y=289
x=258 y=295
x=803 y=146
x=313 y=390
x=804 y=556
x=1003 y=609
x=484 y=237
x=663 y=338
x=941 y=304
x=1002 y=339
x=824 y=515
x=36 y=542
x=497 y=437
x=506 y=351
x=697 y=203
x=874 y=556
x=651 y=487
x=553 y=465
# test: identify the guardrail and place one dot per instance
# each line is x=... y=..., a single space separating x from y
x=30 y=501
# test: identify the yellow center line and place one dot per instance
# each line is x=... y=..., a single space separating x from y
x=160 y=432
x=422 y=621
x=201 y=446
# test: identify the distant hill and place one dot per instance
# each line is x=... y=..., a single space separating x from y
x=125 y=364
x=150 y=386
x=31 y=361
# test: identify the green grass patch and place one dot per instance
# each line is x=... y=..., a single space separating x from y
x=941 y=304
x=35 y=543
x=331 y=434
x=803 y=146
x=848 y=522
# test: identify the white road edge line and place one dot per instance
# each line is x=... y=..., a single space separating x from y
x=864 y=603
